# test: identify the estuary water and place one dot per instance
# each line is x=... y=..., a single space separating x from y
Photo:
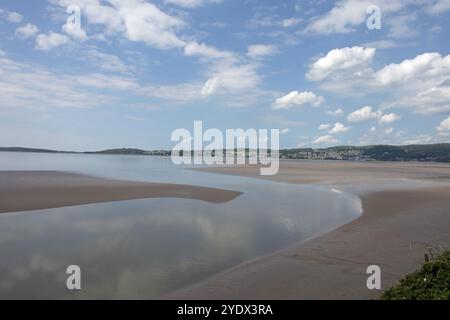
x=142 y=249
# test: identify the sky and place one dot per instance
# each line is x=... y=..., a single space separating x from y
x=130 y=72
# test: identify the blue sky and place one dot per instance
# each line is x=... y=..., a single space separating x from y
x=137 y=70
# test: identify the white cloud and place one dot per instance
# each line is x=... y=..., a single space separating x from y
x=77 y=33
x=210 y=86
x=27 y=86
x=103 y=81
x=142 y=21
x=389 y=118
x=339 y=128
x=261 y=50
x=406 y=78
x=336 y=113
x=296 y=98
x=27 y=31
x=340 y=60
x=324 y=127
x=444 y=127
x=14 y=17
x=227 y=77
x=363 y=114
x=51 y=40
x=427 y=66
x=191 y=3
x=432 y=101
x=325 y=140
x=389 y=131
x=421 y=83
x=346 y=15
x=334 y=129
x=284 y=131
x=137 y=20
x=106 y=61
x=205 y=51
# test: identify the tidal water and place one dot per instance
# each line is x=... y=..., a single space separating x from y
x=142 y=249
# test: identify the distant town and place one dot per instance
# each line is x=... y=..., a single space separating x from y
x=419 y=153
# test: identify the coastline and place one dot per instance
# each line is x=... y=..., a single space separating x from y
x=397 y=225
x=34 y=190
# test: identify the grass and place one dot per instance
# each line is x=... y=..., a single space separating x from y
x=430 y=282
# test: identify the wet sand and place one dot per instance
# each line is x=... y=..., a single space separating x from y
x=33 y=190
x=343 y=172
x=394 y=232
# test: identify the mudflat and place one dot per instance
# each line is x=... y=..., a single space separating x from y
x=395 y=230
x=33 y=190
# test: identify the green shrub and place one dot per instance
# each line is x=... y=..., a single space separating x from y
x=431 y=282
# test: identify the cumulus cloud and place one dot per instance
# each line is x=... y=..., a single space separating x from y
x=340 y=60
x=421 y=83
x=339 y=128
x=389 y=118
x=426 y=66
x=27 y=31
x=334 y=129
x=46 y=42
x=299 y=99
x=261 y=50
x=14 y=17
x=434 y=100
x=363 y=114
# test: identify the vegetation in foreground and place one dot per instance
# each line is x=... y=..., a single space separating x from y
x=431 y=282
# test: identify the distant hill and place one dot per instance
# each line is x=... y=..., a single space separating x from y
x=121 y=151
x=429 y=152
x=19 y=149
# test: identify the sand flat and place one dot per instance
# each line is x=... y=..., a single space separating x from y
x=342 y=172
x=33 y=190
x=394 y=232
